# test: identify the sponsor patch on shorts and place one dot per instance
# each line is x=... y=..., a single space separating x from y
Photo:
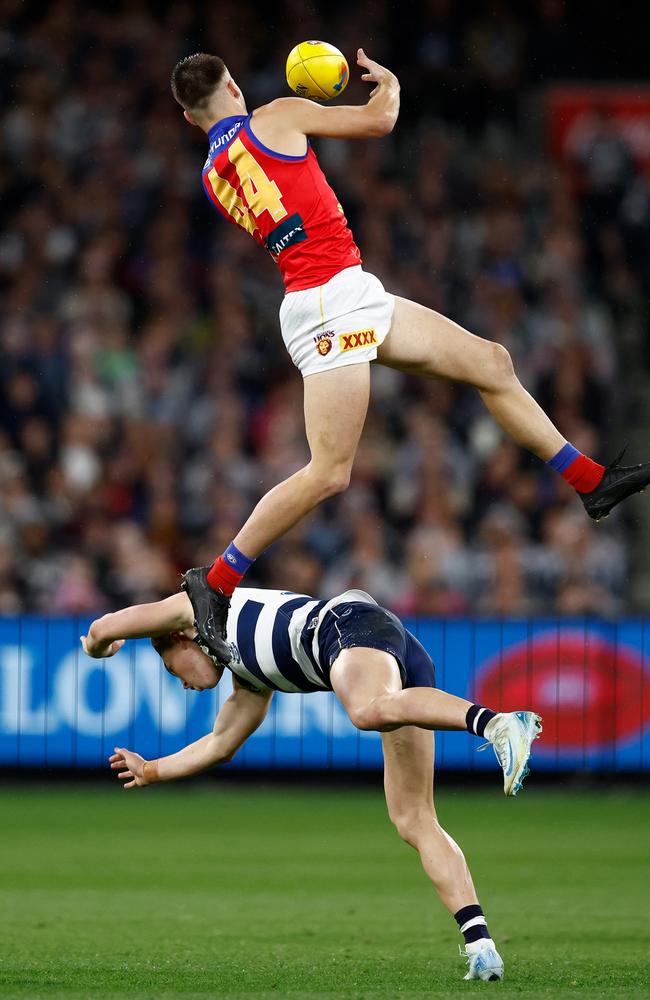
x=358 y=338
x=323 y=342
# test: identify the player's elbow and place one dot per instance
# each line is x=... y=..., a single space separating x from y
x=382 y=125
x=99 y=630
x=223 y=747
x=227 y=753
x=221 y=751
x=221 y=756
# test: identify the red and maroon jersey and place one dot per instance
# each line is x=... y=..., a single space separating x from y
x=284 y=202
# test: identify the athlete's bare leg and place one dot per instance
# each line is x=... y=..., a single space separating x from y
x=420 y=341
x=367 y=682
x=408 y=784
x=336 y=403
x=424 y=342
x=362 y=677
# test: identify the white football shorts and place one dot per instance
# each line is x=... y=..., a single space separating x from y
x=340 y=323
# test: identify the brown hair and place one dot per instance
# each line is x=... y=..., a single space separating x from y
x=195 y=79
x=161 y=643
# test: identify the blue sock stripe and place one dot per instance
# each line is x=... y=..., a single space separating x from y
x=564 y=458
x=239 y=562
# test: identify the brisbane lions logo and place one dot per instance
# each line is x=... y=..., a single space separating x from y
x=324 y=342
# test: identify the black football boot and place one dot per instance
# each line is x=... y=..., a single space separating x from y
x=618 y=483
x=210 y=612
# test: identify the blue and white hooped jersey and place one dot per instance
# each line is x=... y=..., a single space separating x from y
x=274 y=638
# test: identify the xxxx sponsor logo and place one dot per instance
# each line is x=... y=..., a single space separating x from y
x=359 y=338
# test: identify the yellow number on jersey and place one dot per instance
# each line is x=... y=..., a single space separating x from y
x=231 y=201
x=262 y=194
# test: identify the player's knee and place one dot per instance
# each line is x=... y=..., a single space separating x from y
x=498 y=364
x=339 y=479
x=367 y=717
x=412 y=823
x=332 y=480
x=377 y=715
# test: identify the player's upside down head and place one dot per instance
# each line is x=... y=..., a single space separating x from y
x=184 y=658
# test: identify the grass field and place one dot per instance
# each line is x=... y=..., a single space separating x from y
x=221 y=891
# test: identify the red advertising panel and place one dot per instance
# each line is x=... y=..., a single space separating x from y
x=572 y=113
x=590 y=691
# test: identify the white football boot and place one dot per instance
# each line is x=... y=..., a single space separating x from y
x=511 y=735
x=484 y=961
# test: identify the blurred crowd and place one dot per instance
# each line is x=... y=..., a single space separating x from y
x=147 y=401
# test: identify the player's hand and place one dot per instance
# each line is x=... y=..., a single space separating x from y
x=98 y=650
x=131 y=767
x=376 y=73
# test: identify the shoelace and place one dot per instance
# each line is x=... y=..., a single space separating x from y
x=617 y=461
x=465 y=954
x=224 y=630
x=500 y=746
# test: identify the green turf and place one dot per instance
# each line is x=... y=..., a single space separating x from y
x=215 y=891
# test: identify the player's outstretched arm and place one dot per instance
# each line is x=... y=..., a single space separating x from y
x=240 y=716
x=295 y=114
x=107 y=635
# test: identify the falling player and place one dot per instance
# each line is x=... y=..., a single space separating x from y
x=262 y=175
x=385 y=681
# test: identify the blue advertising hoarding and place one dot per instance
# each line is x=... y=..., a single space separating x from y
x=589 y=680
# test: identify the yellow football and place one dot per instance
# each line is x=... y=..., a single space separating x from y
x=317 y=70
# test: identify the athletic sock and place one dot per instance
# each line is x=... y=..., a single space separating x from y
x=581 y=472
x=477 y=719
x=472 y=924
x=228 y=570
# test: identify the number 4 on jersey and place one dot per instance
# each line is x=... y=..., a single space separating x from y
x=261 y=193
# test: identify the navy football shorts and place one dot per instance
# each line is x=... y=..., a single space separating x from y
x=360 y=624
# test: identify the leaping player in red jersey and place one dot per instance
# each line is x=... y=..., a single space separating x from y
x=262 y=174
